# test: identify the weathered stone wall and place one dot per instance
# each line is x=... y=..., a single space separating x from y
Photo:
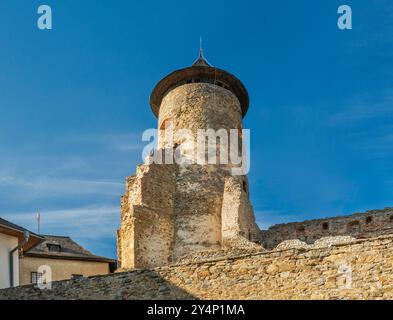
x=362 y=269
x=237 y=213
x=169 y=211
x=147 y=224
x=361 y=225
x=198 y=208
x=198 y=106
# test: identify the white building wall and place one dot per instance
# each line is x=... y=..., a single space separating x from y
x=7 y=243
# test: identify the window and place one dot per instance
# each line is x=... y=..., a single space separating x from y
x=76 y=276
x=54 y=247
x=369 y=220
x=325 y=226
x=301 y=229
x=36 y=277
x=301 y=233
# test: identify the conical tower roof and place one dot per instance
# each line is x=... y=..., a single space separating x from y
x=200 y=71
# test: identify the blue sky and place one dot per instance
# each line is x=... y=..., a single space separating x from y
x=74 y=103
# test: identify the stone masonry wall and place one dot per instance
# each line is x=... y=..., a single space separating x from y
x=361 y=225
x=147 y=225
x=362 y=269
x=198 y=106
x=237 y=213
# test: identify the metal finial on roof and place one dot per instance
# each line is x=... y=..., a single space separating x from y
x=200 y=48
x=201 y=61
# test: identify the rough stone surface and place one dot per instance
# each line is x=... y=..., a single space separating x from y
x=146 y=234
x=230 y=250
x=329 y=241
x=312 y=273
x=292 y=244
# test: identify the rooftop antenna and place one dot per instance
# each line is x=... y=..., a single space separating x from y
x=38 y=219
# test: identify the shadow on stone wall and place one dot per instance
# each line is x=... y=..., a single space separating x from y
x=134 y=285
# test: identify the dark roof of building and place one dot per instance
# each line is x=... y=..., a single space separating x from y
x=13 y=229
x=11 y=225
x=200 y=69
x=68 y=249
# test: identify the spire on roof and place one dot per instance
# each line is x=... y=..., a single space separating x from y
x=201 y=61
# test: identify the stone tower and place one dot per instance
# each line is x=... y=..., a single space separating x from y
x=169 y=210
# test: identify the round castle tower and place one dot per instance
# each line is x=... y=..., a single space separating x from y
x=199 y=97
x=170 y=210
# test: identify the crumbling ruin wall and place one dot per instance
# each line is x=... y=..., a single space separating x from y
x=169 y=211
x=361 y=269
x=238 y=219
x=361 y=225
x=197 y=209
x=147 y=224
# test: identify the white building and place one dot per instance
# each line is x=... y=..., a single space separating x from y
x=13 y=239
